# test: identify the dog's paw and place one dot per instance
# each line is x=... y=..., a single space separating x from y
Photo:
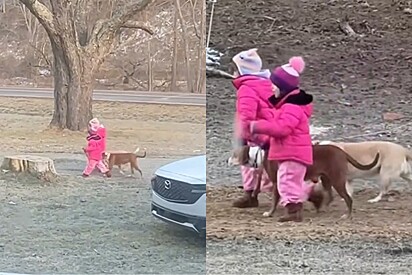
x=346 y=217
x=267 y=214
x=374 y=200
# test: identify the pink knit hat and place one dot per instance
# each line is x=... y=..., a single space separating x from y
x=94 y=124
x=249 y=62
x=286 y=77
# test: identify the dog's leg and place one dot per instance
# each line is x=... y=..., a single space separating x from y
x=275 y=201
x=140 y=171
x=349 y=188
x=131 y=169
x=110 y=164
x=120 y=169
x=385 y=183
x=340 y=188
x=258 y=182
x=327 y=186
x=272 y=171
x=136 y=166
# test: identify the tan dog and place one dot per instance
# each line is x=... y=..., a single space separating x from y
x=330 y=163
x=120 y=158
x=393 y=164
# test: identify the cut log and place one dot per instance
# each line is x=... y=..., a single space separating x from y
x=40 y=167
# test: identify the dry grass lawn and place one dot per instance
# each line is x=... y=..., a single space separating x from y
x=164 y=130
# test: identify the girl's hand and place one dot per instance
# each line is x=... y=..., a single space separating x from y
x=252 y=126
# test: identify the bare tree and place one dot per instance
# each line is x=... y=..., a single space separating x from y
x=186 y=46
x=78 y=53
x=201 y=56
x=174 y=53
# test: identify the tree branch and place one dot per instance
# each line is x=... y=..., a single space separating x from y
x=121 y=16
x=104 y=31
x=138 y=25
x=42 y=13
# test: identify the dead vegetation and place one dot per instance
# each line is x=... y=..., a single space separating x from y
x=166 y=61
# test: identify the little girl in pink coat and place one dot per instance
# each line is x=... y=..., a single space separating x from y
x=290 y=140
x=253 y=90
x=96 y=146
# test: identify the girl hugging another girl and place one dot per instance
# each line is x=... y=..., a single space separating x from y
x=290 y=140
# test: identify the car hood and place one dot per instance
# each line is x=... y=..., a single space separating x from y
x=192 y=170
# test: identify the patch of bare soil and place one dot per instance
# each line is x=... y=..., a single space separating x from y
x=372 y=221
x=356 y=80
x=163 y=130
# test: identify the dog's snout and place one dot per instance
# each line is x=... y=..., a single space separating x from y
x=232 y=161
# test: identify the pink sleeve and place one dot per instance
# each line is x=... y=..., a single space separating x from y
x=91 y=145
x=282 y=124
x=246 y=109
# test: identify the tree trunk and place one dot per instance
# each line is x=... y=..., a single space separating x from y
x=201 y=73
x=173 y=87
x=73 y=89
x=149 y=63
x=76 y=60
x=186 y=48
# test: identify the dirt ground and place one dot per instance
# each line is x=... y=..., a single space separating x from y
x=355 y=80
x=95 y=225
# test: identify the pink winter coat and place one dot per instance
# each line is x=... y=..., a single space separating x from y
x=289 y=129
x=252 y=104
x=102 y=133
x=94 y=149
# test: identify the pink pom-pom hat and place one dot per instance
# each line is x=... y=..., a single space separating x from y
x=286 y=77
x=94 y=124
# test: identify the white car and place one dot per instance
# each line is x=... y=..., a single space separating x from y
x=179 y=193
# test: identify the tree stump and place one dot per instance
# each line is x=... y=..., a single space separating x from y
x=40 y=167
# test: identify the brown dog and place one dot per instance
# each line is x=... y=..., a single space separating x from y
x=120 y=158
x=330 y=163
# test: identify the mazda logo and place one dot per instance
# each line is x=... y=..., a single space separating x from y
x=168 y=184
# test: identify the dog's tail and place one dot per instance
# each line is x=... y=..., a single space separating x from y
x=137 y=151
x=360 y=166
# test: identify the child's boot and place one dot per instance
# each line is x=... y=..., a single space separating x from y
x=108 y=174
x=293 y=213
x=246 y=201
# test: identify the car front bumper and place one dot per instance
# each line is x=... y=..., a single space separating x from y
x=194 y=223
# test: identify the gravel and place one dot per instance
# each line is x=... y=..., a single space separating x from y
x=91 y=225
x=306 y=257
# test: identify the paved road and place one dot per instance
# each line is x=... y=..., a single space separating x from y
x=114 y=95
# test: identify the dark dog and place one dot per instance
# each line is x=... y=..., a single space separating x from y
x=330 y=164
x=120 y=158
